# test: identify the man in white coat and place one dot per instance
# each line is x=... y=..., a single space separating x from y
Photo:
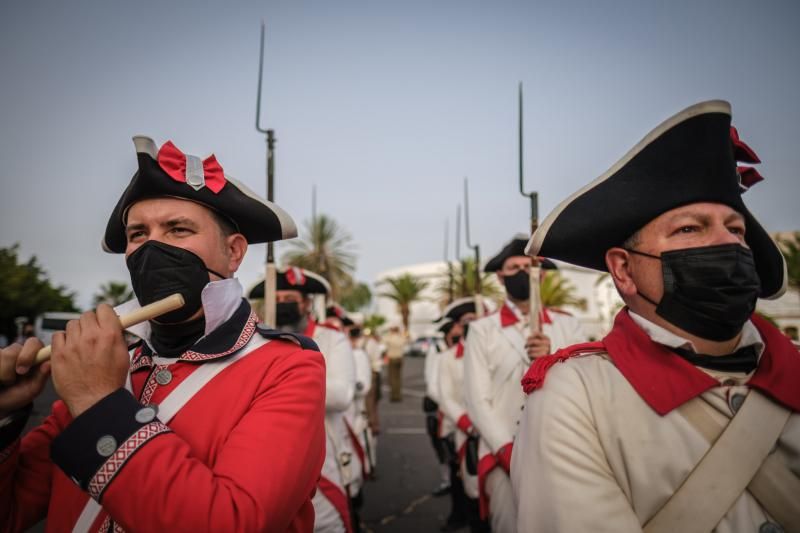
x=455 y=326
x=499 y=350
x=295 y=286
x=617 y=435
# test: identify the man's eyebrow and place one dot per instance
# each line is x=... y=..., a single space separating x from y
x=179 y=221
x=735 y=216
x=697 y=215
x=135 y=227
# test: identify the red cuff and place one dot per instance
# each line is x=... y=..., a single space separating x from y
x=504 y=457
x=464 y=423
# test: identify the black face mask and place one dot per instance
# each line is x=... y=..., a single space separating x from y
x=518 y=286
x=465 y=328
x=710 y=291
x=159 y=270
x=355 y=333
x=454 y=340
x=287 y=313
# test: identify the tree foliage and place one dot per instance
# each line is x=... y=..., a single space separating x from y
x=791 y=252
x=355 y=297
x=373 y=322
x=404 y=290
x=112 y=293
x=25 y=290
x=460 y=279
x=557 y=291
x=327 y=249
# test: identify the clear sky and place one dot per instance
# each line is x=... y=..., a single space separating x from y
x=385 y=106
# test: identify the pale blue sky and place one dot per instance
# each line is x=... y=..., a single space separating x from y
x=386 y=106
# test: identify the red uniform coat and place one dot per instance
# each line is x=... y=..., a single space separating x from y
x=244 y=454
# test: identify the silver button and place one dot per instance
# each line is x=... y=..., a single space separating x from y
x=736 y=402
x=106 y=445
x=770 y=527
x=146 y=414
x=163 y=376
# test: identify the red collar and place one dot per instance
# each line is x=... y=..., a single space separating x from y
x=460 y=350
x=666 y=381
x=310 y=327
x=509 y=318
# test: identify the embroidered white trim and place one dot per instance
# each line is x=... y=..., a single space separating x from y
x=113 y=464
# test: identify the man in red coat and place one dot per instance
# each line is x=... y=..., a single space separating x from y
x=212 y=423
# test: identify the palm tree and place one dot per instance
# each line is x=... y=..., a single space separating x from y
x=355 y=296
x=112 y=293
x=559 y=292
x=463 y=283
x=327 y=249
x=404 y=290
x=373 y=322
x=791 y=252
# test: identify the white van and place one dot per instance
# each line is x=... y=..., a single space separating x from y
x=48 y=323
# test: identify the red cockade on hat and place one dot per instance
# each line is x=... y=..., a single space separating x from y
x=189 y=169
x=295 y=276
x=748 y=176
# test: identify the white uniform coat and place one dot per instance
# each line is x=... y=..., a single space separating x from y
x=494 y=362
x=356 y=416
x=340 y=386
x=451 y=394
x=602 y=445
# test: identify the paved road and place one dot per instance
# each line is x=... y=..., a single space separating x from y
x=399 y=500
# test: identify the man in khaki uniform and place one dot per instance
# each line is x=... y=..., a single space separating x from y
x=616 y=434
x=395 y=346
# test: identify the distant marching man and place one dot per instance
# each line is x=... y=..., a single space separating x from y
x=499 y=350
x=355 y=417
x=455 y=324
x=295 y=288
x=685 y=417
x=436 y=426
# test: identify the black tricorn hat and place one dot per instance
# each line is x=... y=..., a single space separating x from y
x=293 y=279
x=168 y=172
x=445 y=326
x=688 y=158
x=334 y=310
x=514 y=248
x=457 y=308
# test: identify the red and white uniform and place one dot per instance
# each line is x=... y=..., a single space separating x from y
x=494 y=361
x=356 y=417
x=331 y=503
x=602 y=445
x=244 y=454
x=451 y=394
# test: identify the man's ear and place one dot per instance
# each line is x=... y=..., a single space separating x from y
x=618 y=264
x=236 y=245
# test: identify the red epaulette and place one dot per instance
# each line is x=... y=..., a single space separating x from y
x=328 y=325
x=534 y=377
